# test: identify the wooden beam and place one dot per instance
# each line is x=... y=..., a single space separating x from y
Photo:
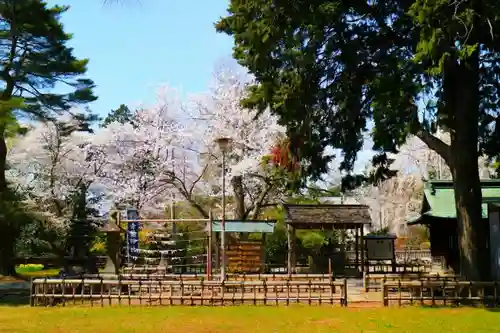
x=263 y=254
x=356 y=247
x=217 y=251
x=290 y=248
x=362 y=242
x=294 y=249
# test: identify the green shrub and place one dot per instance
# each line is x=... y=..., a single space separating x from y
x=25 y=268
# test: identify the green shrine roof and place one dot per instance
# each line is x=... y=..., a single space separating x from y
x=439 y=199
x=259 y=226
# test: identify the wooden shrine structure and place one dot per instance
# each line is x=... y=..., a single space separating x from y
x=243 y=255
x=326 y=217
x=439 y=215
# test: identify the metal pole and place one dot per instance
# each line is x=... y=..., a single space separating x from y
x=209 y=248
x=223 y=219
x=172 y=217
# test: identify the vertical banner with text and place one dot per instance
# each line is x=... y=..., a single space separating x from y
x=132 y=234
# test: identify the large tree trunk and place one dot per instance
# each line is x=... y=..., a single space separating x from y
x=239 y=200
x=7 y=243
x=7 y=230
x=239 y=197
x=472 y=230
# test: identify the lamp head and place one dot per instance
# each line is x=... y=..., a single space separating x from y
x=224 y=143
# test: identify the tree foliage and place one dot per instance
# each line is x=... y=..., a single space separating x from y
x=122 y=115
x=36 y=61
x=329 y=69
x=169 y=153
x=55 y=166
x=37 y=58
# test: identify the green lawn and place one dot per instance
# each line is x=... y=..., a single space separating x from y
x=41 y=273
x=300 y=319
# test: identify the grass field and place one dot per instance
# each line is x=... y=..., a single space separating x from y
x=300 y=319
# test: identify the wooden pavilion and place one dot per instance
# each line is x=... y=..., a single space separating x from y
x=326 y=217
x=439 y=215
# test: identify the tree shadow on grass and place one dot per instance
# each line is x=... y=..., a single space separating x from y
x=487 y=307
x=14 y=299
x=14 y=292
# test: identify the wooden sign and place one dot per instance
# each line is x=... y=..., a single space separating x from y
x=379 y=249
x=245 y=257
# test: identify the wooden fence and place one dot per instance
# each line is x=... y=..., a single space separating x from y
x=441 y=293
x=202 y=277
x=401 y=255
x=374 y=267
x=152 y=292
x=375 y=282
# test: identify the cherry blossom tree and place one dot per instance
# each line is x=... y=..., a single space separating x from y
x=415 y=157
x=55 y=166
x=395 y=200
x=219 y=114
x=170 y=151
x=392 y=201
x=140 y=154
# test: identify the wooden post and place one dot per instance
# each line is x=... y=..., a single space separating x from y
x=294 y=250
x=356 y=247
x=290 y=248
x=342 y=239
x=217 y=251
x=362 y=242
x=209 y=247
x=263 y=254
x=393 y=260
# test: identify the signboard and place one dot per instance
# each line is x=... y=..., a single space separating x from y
x=379 y=249
x=133 y=234
x=245 y=257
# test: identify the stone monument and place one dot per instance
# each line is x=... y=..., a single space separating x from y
x=113 y=231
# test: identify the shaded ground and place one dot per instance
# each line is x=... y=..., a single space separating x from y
x=14 y=292
x=247 y=319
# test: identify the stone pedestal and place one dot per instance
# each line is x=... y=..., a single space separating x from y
x=113 y=260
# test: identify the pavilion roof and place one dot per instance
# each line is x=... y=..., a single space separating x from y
x=306 y=216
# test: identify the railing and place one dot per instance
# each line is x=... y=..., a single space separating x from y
x=375 y=282
x=376 y=267
x=195 y=277
x=441 y=293
x=401 y=255
x=198 y=268
x=150 y=292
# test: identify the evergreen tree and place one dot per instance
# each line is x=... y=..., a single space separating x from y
x=122 y=115
x=330 y=68
x=35 y=59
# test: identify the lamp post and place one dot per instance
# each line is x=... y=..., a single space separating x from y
x=224 y=147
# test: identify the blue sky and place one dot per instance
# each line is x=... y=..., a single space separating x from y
x=134 y=46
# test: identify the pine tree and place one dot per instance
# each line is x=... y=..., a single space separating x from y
x=35 y=61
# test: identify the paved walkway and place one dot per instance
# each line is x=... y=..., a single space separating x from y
x=356 y=293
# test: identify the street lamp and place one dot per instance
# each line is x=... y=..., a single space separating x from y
x=223 y=144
